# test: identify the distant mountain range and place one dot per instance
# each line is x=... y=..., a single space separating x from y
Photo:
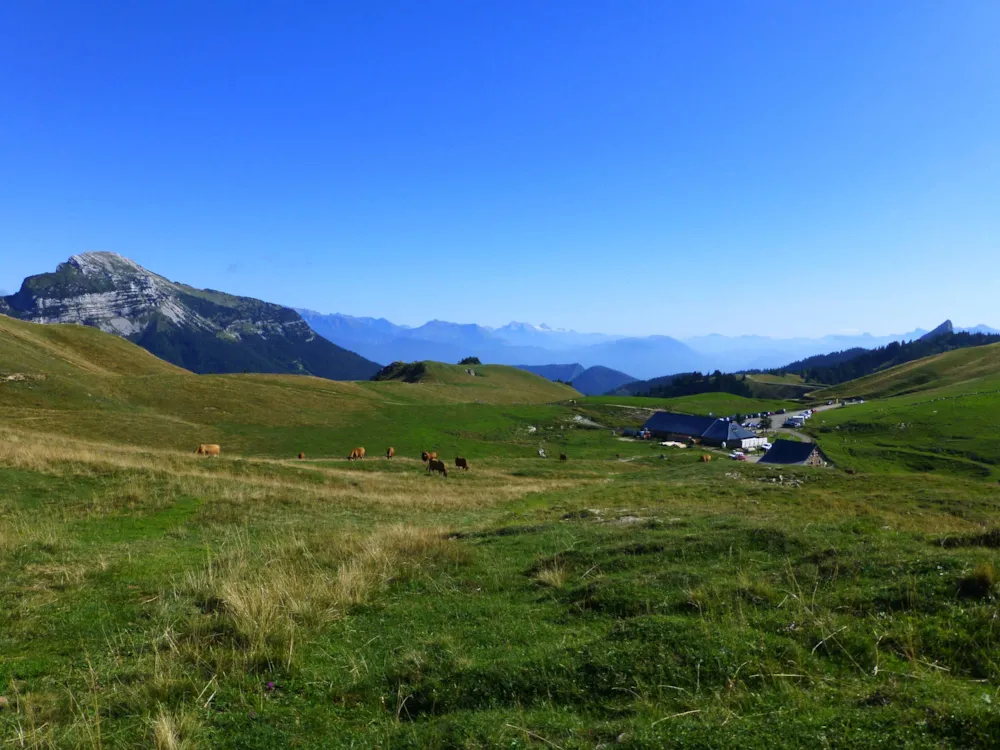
x=201 y=330
x=531 y=345
x=592 y=381
x=513 y=344
x=211 y=331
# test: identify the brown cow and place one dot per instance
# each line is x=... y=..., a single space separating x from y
x=461 y=463
x=357 y=453
x=208 y=449
x=428 y=455
x=390 y=452
x=435 y=465
x=301 y=456
x=563 y=457
x=705 y=458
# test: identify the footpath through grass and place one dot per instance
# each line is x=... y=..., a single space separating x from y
x=155 y=599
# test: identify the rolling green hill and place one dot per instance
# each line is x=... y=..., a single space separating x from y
x=960 y=367
x=77 y=380
x=934 y=414
x=153 y=598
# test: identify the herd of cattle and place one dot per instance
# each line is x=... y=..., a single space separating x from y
x=428 y=457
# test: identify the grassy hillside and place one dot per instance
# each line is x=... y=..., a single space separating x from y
x=961 y=367
x=495 y=384
x=788 y=386
x=72 y=351
x=154 y=599
x=644 y=600
x=934 y=414
x=85 y=383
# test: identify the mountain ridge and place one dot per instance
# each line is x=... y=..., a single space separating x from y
x=201 y=330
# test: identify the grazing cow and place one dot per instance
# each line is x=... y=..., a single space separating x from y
x=301 y=456
x=435 y=465
x=208 y=449
x=461 y=463
x=424 y=456
x=390 y=452
x=356 y=454
x=563 y=457
x=429 y=455
x=705 y=458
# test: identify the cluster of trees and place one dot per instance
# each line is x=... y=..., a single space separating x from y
x=692 y=383
x=839 y=367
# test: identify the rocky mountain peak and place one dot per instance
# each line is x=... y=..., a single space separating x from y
x=104 y=262
x=942 y=330
x=199 y=329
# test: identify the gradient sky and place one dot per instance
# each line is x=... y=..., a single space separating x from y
x=782 y=168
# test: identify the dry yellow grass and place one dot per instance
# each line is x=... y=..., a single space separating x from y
x=553 y=577
x=174 y=732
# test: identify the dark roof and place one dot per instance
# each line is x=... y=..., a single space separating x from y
x=789 y=452
x=723 y=430
x=681 y=424
x=708 y=428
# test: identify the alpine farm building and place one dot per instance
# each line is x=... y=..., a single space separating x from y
x=791 y=453
x=705 y=430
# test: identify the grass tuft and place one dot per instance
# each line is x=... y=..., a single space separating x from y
x=980 y=583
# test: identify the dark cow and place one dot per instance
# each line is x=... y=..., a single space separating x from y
x=563 y=457
x=461 y=463
x=435 y=465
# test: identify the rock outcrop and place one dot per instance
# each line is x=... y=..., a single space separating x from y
x=201 y=330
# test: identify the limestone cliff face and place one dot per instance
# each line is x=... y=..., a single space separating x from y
x=202 y=330
x=103 y=290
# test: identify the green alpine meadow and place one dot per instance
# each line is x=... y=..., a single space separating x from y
x=613 y=593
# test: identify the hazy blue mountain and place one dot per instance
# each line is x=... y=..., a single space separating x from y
x=597 y=380
x=592 y=381
x=564 y=373
x=979 y=329
x=526 y=334
x=534 y=345
x=439 y=340
x=202 y=330
x=944 y=329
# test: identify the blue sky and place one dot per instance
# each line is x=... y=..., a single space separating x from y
x=781 y=168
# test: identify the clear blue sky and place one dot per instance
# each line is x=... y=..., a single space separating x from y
x=630 y=167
